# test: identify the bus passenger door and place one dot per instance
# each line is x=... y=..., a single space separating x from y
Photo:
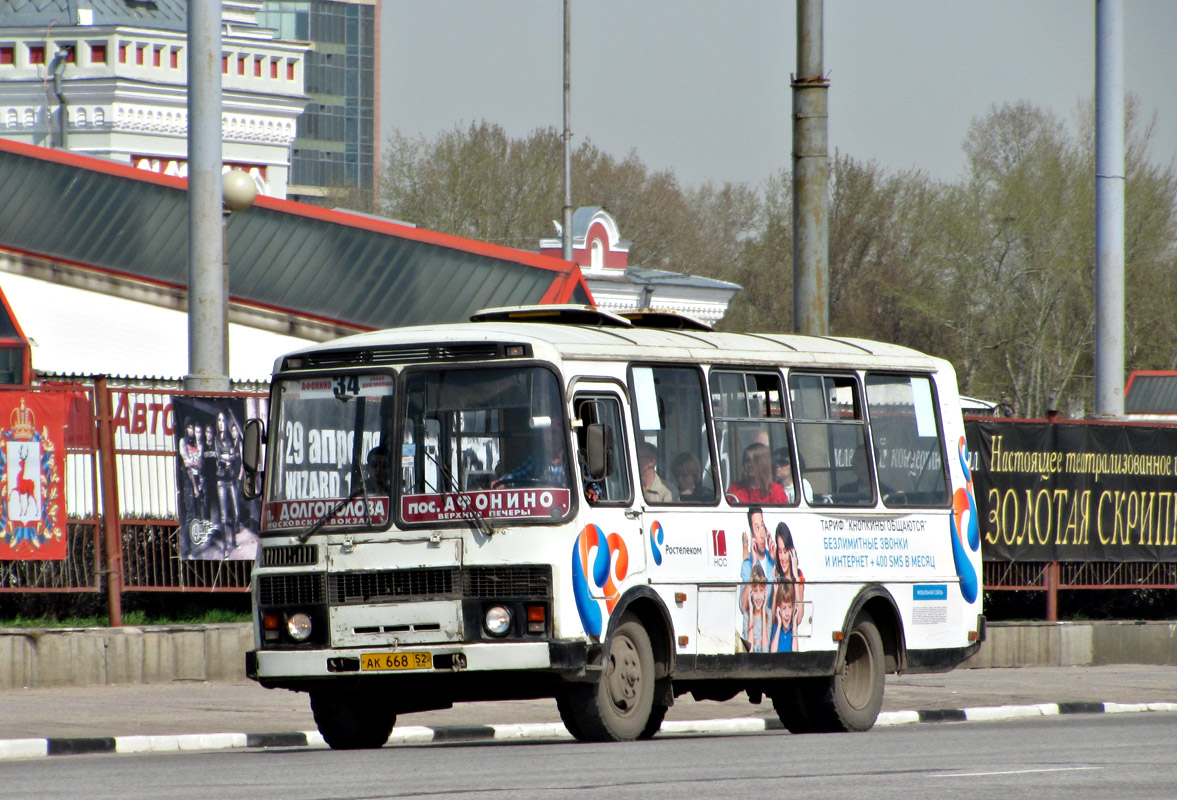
x=610 y=514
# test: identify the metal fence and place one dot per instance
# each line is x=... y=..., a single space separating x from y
x=123 y=438
x=1042 y=575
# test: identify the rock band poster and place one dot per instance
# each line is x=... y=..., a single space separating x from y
x=216 y=521
x=1075 y=491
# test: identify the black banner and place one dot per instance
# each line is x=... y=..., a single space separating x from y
x=1075 y=491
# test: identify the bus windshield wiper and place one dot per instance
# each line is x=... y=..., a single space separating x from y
x=360 y=486
x=484 y=526
x=330 y=515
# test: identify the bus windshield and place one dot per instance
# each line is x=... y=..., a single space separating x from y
x=484 y=444
x=328 y=457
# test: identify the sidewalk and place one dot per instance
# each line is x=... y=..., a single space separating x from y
x=186 y=708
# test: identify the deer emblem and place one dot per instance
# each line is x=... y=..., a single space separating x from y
x=25 y=489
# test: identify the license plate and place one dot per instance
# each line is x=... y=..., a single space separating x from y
x=383 y=661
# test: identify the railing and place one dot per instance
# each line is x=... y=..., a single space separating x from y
x=123 y=438
x=1055 y=576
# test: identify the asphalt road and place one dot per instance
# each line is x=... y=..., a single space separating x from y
x=1120 y=755
x=201 y=708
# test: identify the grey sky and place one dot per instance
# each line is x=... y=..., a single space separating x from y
x=702 y=88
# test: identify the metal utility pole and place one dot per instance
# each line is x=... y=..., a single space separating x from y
x=1109 y=208
x=811 y=169
x=566 y=231
x=207 y=281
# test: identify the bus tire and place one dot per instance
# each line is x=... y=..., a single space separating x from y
x=618 y=708
x=853 y=695
x=792 y=700
x=351 y=720
x=654 y=724
x=564 y=704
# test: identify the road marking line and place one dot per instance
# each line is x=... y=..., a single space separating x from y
x=1011 y=772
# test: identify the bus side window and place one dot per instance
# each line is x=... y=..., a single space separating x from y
x=905 y=432
x=752 y=425
x=670 y=418
x=831 y=438
x=603 y=413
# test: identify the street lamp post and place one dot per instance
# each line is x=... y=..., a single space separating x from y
x=206 y=306
x=238 y=191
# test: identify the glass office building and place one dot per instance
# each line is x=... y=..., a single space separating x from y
x=335 y=143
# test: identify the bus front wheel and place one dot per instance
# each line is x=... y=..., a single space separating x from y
x=351 y=720
x=618 y=708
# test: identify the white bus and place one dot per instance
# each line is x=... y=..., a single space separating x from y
x=612 y=511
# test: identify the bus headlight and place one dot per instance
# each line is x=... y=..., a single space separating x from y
x=299 y=627
x=497 y=620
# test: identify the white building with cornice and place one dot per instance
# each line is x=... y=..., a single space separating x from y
x=603 y=258
x=109 y=78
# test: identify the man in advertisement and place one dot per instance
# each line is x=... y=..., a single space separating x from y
x=228 y=481
x=189 y=471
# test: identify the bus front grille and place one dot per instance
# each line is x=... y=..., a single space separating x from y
x=281 y=590
x=425 y=583
x=295 y=555
x=525 y=581
x=528 y=582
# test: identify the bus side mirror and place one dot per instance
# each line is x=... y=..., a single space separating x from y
x=252 y=441
x=598 y=450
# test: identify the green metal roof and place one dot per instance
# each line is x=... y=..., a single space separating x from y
x=339 y=267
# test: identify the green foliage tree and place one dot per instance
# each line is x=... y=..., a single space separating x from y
x=477 y=183
x=763 y=262
x=1035 y=207
x=1030 y=195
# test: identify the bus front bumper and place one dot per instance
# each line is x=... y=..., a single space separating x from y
x=281 y=666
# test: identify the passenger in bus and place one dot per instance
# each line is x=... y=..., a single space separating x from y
x=757 y=485
x=653 y=489
x=782 y=471
x=857 y=490
x=688 y=479
x=594 y=491
x=543 y=467
x=377 y=471
x=757 y=619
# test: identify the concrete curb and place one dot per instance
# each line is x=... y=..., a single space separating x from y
x=32 y=748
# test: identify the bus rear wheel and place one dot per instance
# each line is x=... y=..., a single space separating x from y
x=849 y=700
x=792 y=700
x=619 y=707
x=856 y=690
x=351 y=720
